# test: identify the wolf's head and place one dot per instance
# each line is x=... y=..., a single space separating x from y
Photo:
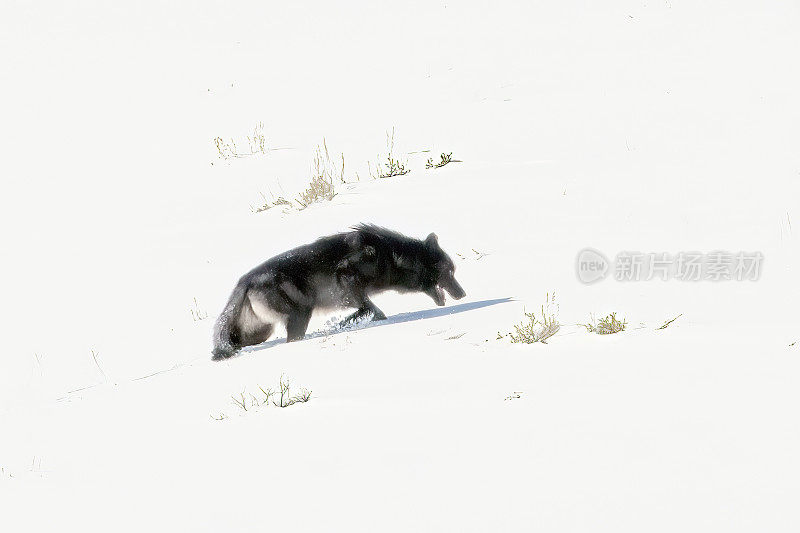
x=438 y=273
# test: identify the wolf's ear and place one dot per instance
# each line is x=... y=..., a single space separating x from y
x=432 y=241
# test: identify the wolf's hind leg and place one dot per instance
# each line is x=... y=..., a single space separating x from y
x=252 y=329
x=256 y=335
x=296 y=324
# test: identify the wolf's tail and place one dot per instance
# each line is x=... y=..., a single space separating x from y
x=224 y=330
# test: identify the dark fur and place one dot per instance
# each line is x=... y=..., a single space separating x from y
x=338 y=271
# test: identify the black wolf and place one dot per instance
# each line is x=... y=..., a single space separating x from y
x=337 y=271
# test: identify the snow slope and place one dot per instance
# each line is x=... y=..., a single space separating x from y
x=652 y=127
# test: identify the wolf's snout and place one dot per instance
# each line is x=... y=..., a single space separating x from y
x=454 y=289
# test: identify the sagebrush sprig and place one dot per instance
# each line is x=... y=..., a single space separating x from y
x=606 y=325
x=266 y=204
x=324 y=175
x=445 y=159
x=536 y=329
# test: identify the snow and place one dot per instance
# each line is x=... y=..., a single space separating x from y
x=651 y=127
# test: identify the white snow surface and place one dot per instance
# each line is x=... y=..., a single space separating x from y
x=659 y=126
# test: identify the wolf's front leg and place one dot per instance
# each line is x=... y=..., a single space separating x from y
x=365 y=309
x=377 y=314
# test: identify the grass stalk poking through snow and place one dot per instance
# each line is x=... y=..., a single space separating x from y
x=282 y=397
x=257 y=144
x=285 y=398
x=392 y=166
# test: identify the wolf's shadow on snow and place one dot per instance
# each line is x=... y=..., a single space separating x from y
x=394 y=319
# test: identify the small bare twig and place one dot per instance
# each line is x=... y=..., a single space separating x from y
x=241 y=401
x=267 y=394
x=97 y=363
x=197 y=313
x=668 y=322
